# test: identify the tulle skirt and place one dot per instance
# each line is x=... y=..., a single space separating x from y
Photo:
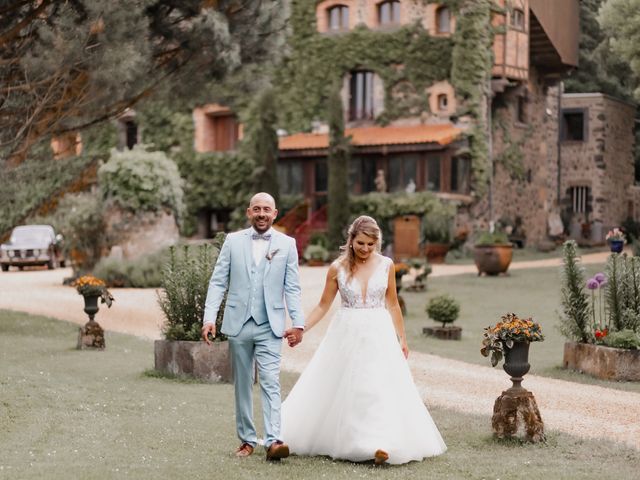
x=357 y=396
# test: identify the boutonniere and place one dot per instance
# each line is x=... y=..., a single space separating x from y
x=270 y=256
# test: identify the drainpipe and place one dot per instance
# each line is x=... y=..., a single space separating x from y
x=490 y=151
x=559 y=144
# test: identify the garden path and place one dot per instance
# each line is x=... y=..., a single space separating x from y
x=577 y=409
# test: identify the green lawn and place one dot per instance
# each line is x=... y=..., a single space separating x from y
x=95 y=415
x=458 y=257
x=529 y=293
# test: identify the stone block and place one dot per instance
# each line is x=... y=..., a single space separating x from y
x=443 y=333
x=211 y=363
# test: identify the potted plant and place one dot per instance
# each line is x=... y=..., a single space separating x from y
x=443 y=309
x=422 y=269
x=510 y=339
x=185 y=283
x=436 y=232
x=492 y=253
x=601 y=317
x=616 y=240
x=92 y=289
x=315 y=255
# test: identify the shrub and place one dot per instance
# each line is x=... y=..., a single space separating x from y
x=436 y=225
x=574 y=323
x=138 y=180
x=143 y=272
x=185 y=279
x=316 y=252
x=443 y=308
x=623 y=339
x=486 y=238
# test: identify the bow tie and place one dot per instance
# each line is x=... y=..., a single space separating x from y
x=263 y=236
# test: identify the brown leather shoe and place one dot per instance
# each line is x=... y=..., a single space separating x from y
x=277 y=450
x=244 y=450
x=380 y=457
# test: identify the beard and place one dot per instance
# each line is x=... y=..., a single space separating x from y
x=265 y=224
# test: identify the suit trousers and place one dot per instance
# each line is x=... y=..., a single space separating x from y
x=256 y=342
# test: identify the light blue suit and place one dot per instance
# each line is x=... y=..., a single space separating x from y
x=254 y=321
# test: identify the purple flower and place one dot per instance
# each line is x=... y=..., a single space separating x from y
x=593 y=284
x=600 y=278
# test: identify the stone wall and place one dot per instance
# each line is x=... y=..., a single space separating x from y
x=604 y=160
x=525 y=179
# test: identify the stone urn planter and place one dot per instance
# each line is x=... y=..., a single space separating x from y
x=516 y=362
x=91 y=335
x=211 y=363
x=493 y=259
x=603 y=362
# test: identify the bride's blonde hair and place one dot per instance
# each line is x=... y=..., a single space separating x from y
x=362 y=224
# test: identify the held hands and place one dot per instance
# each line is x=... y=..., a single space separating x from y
x=208 y=328
x=293 y=336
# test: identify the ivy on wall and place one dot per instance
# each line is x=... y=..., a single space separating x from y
x=408 y=60
x=470 y=75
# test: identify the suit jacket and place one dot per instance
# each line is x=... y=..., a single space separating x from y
x=233 y=269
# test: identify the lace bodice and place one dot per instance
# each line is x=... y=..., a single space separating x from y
x=351 y=291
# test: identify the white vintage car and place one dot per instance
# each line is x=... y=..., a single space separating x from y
x=32 y=245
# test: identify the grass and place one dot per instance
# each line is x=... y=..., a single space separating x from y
x=66 y=414
x=528 y=293
x=458 y=257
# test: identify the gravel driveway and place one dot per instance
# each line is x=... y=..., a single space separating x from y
x=577 y=409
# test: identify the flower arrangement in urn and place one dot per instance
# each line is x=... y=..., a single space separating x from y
x=509 y=330
x=90 y=286
x=615 y=234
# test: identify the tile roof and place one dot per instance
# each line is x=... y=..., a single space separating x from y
x=442 y=134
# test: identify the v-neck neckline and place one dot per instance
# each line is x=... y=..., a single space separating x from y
x=365 y=290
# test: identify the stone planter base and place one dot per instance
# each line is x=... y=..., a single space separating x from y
x=91 y=336
x=602 y=362
x=516 y=414
x=443 y=333
x=211 y=363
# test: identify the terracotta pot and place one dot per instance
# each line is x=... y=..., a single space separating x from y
x=493 y=259
x=436 y=252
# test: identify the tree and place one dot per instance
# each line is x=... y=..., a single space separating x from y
x=67 y=65
x=600 y=69
x=261 y=143
x=338 y=166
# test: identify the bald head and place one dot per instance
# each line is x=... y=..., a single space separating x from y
x=262 y=197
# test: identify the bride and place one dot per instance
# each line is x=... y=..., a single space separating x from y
x=356 y=399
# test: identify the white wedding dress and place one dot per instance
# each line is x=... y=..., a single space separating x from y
x=357 y=394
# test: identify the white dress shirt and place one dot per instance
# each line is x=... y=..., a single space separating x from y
x=259 y=247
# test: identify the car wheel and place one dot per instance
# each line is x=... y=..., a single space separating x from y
x=20 y=267
x=51 y=264
x=63 y=263
x=5 y=268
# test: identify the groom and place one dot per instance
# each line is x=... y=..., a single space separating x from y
x=259 y=265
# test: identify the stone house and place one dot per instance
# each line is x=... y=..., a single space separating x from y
x=597 y=169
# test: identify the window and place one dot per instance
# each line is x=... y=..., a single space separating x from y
x=338 y=17
x=361 y=96
x=402 y=173
x=221 y=132
x=521 y=109
x=432 y=182
x=290 y=178
x=321 y=176
x=580 y=199
x=460 y=174
x=443 y=102
x=389 y=12
x=573 y=126
x=443 y=20
x=517 y=19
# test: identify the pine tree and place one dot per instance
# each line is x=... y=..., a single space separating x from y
x=338 y=166
x=575 y=304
